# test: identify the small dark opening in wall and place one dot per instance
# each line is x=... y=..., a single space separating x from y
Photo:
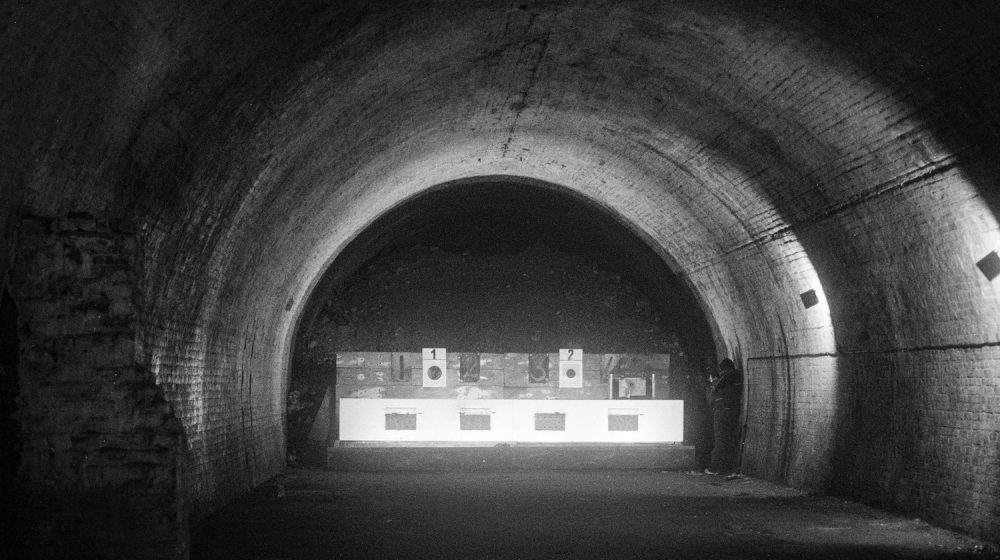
x=809 y=298
x=990 y=265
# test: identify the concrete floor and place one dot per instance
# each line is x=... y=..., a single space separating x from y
x=310 y=513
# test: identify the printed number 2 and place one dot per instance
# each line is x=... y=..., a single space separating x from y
x=570 y=355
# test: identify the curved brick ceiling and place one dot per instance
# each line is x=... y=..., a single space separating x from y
x=762 y=149
x=738 y=139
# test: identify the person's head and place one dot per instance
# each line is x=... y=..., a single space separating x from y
x=726 y=365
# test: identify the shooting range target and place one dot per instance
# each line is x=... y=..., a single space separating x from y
x=570 y=367
x=434 y=366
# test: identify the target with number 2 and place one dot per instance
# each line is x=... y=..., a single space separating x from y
x=571 y=367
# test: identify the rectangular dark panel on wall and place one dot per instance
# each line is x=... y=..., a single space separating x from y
x=538 y=368
x=469 y=365
x=395 y=421
x=623 y=422
x=809 y=298
x=990 y=265
x=474 y=422
x=550 y=421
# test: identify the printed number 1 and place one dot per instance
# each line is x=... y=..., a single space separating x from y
x=434 y=353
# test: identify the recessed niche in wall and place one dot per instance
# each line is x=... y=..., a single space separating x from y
x=538 y=368
x=990 y=265
x=474 y=419
x=468 y=370
x=400 y=371
x=550 y=421
x=623 y=420
x=401 y=419
x=809 y=298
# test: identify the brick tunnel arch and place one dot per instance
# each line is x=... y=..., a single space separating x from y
x=620 y=294
x=764 y=150
x=771 y=282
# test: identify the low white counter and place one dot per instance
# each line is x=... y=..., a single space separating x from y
x=489 y=420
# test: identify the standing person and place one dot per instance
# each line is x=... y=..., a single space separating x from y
x=699 y=411
x=725 y=394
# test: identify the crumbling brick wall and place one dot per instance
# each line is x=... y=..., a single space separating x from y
x=99 y=442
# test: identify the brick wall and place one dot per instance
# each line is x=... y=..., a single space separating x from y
x=915 y=431
x=227 y=393
x=921 y=433
x=791 y=413
x=100 y=443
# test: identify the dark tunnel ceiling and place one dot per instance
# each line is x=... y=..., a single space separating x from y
x=508 y=216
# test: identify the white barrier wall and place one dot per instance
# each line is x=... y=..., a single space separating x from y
x=495 y=420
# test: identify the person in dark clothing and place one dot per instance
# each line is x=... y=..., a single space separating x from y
x=699 y=412
x=724 y=395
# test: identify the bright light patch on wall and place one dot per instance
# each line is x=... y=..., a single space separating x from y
x=815 y=332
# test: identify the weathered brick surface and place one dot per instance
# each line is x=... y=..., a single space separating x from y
x=922 y=427
x=910 y=430
x=100 y=444
x=791 y=419
x=219 y=374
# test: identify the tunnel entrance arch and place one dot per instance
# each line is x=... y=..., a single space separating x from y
x=472 y=233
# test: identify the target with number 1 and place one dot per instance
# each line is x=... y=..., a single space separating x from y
x=435 y=366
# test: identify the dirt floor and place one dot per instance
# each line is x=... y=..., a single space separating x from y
x=635 y=514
